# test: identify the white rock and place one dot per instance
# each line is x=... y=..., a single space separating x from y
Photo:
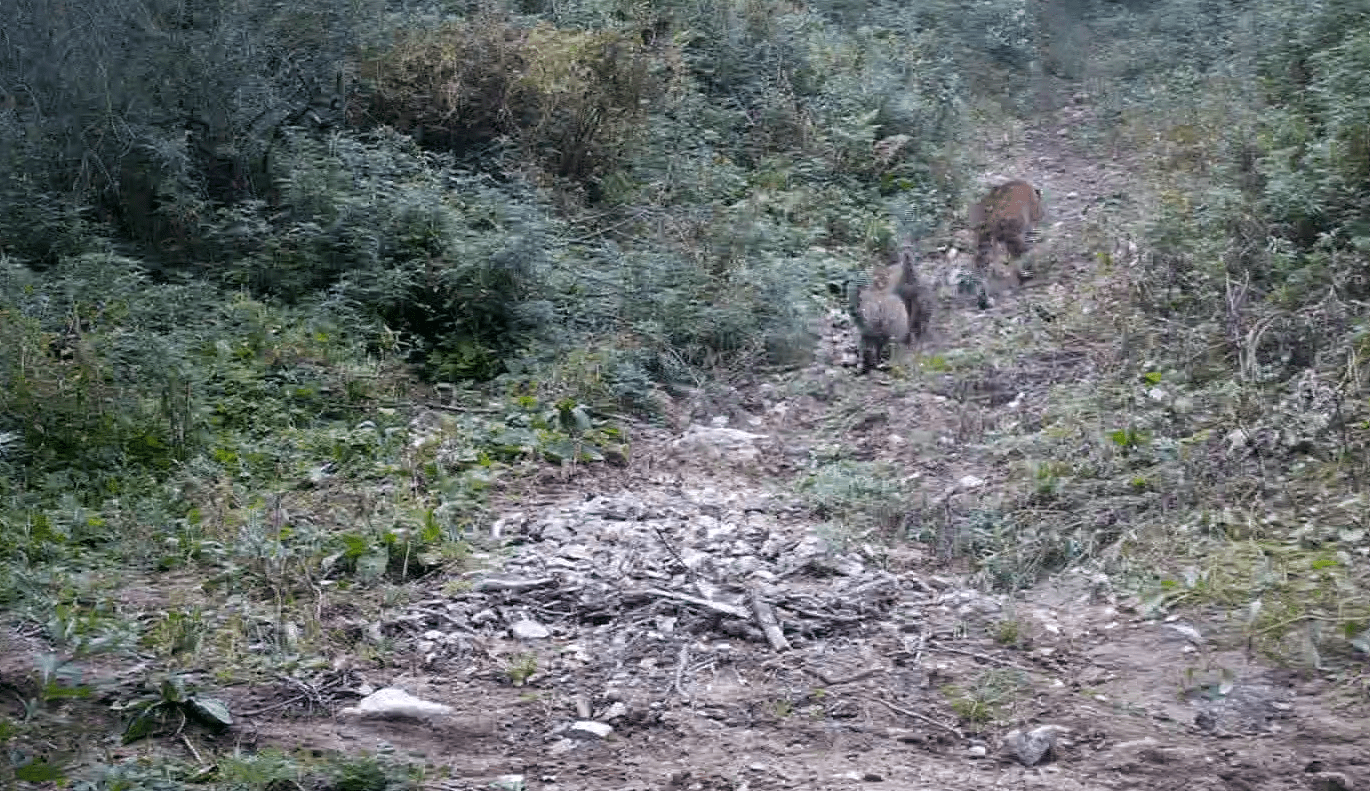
x=392 y=702
x=588 y=729
x=718 y=442
x=1032 y=746
x=1190 y=633
x=529 y=630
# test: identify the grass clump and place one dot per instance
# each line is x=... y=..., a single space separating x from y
x=988 y=699
x=857 y=498
x=569 y=100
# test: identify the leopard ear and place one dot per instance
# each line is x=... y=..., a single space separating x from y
x=1038 y=191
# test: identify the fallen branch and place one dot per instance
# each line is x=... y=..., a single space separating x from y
x=716 y=606
x=689 y=572
x=487 y=585
x=451 y=620
x=825 y=617
x=278 y=705
x=829 y=681
x=986 y=657
x=765 y=618
x=681 y=662
x=917 y=716
x=458 y=409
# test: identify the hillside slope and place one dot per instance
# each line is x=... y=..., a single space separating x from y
x=636 y=589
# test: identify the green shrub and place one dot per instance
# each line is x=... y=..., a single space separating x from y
x=154 y=118
x=87 y=377
x=391 y=233
x=567 y=99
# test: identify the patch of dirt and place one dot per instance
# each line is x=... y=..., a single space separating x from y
x=641 y=589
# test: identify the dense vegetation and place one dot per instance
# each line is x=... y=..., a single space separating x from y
x=238 y=239
x=1248 y=308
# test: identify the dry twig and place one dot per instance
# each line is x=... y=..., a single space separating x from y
x=765 y=618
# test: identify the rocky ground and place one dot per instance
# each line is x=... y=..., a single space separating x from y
x=684 y=622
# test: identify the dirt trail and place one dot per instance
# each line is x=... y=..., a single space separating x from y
x=897 y=672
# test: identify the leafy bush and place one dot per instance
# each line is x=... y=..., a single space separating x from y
x=87 y=377
x=858 y=498
x=389 y=232
x=567 y=99
x=156 y=116
x=111 y=384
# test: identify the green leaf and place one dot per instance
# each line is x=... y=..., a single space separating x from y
x=140 y=726
x=559 y=450
x=39 y=772
x=173 y=690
